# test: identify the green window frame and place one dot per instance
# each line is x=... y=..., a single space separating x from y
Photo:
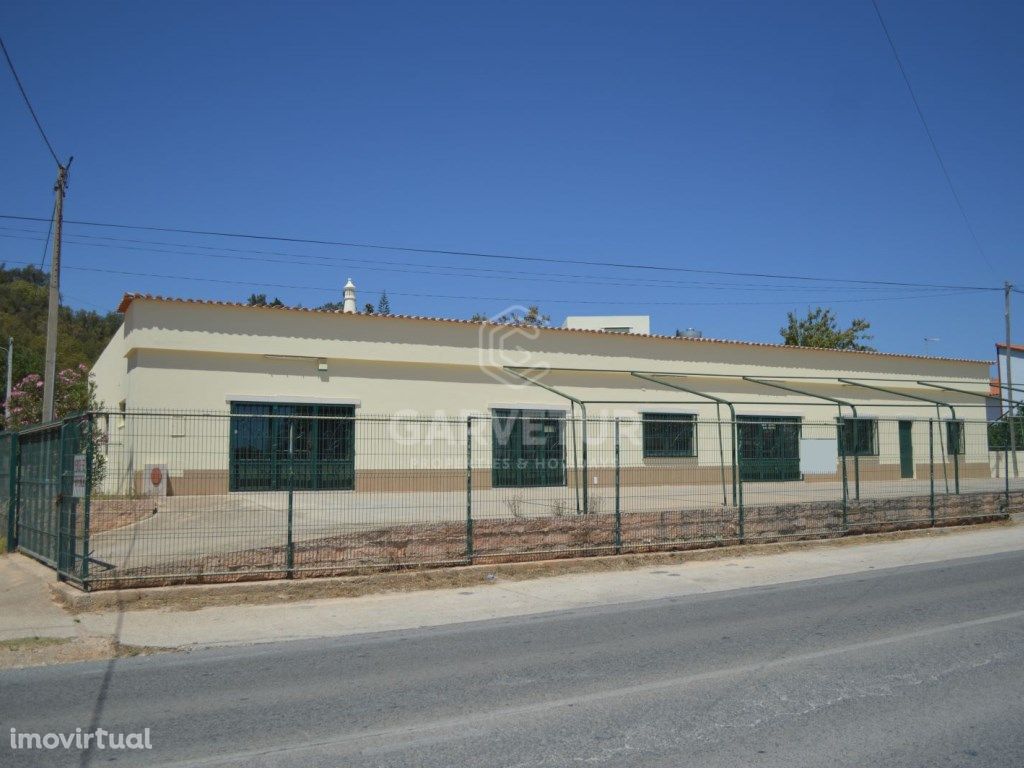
x=669 y=435
x=527 y=448
x=323 y=455
x=859 y=437
x=955 y=437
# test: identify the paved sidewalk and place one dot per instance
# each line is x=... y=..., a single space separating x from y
x=337 y=617
x=27 y=608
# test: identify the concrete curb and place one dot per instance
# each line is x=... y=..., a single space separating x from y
x=196 y=596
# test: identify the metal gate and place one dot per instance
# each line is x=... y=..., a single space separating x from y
x=47 y=516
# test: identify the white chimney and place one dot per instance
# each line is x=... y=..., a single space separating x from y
x=350 y=297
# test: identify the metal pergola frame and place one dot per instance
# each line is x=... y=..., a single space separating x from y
x=842 y=426
x=986 y=396
x=937 y=404
x=657 y=377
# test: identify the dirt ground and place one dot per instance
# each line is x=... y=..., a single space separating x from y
x=42 y=651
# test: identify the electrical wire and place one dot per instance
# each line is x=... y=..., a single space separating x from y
x=532 y=300
x=503 y=275
x=509 y=257
x=463 y=270
x=28 y=103
x=931 y=137
x=49 y=231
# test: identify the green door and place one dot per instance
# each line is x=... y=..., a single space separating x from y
x=769 y=448
x=906 y=449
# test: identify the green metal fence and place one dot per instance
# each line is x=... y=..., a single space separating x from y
x=112 y=499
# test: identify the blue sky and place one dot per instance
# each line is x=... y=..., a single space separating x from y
x=770 y=137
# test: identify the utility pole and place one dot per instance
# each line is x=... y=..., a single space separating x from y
x=1011 y=410
x=10 y=367
x=50 y=369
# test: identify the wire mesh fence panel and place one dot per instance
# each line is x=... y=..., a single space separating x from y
x=972 y=479
x=541 y=484
x=792 y=477
x=270 y=490
x=38 y=488
x=678 y=483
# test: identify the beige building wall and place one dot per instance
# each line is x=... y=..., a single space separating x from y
x=188 y=357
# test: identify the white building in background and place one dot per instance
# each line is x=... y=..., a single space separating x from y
x=259 y=366
x=638 y=324
x=1009 y=366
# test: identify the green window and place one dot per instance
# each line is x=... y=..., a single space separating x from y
x=275 y=446
x=669 y=434
x=859 y=437
x=955 y=438
x=527 y=448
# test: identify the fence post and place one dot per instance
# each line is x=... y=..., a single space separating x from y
x=738 y=477
x=618 y=495
x=931 y=471
x=840 y=427
x=469 y=489
x=86 y=502
x=960 y=440
x=291 y=498
x=12 y=499
x=1006 y=469
x=59 y=500
x=856 y=461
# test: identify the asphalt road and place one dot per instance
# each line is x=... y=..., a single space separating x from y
x=915 y=666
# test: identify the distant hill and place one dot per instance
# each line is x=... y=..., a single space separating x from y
x=83 y=334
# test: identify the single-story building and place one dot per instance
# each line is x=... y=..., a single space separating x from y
x=552 y=394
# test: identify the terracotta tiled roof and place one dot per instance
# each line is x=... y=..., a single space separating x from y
x=130 y=297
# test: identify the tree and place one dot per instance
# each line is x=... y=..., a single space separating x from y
x=999 y=431
x=531 y=318
x=368 y=309
x=384 y=305
x=260 y=300
x=23 y=299
x=75 y=393
x=821 y=329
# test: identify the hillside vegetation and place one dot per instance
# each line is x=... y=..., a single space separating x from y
x=83 y=333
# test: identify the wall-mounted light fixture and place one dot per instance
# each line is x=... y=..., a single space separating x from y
x=321 y=362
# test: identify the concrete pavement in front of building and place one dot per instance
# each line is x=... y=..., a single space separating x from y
x=337 y=617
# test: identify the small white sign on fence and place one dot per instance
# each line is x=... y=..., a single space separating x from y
x=78 y=481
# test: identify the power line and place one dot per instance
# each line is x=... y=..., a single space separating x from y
x=931 y=138
x=518 y=300
x=28 y=103
x=574 y=279
x=509 y=257
x=46 y=242
x=463 y=271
